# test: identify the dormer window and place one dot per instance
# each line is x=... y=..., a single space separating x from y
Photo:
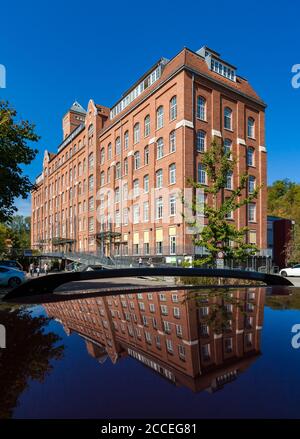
x=222 y=69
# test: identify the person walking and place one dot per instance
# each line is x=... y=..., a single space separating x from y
x=37 y=271
x=31 y=269
x=140 y=262
x=46 y=268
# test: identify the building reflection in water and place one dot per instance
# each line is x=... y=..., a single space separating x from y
x=198 y=340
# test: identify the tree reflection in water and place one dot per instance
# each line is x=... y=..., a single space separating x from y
x=28 y=354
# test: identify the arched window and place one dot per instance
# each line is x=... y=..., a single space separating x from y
x=251 y=127
x=160 y=148
x=118 y=146
x=136 y=188
x=172 y=173
x=108 y=174
x=159 y=178
x=201 y=141
x=228 y=118
x=146 y=155
x=137 y=160
x=102 y=156
x=91 y=160
x=201 y=108
x=160 y=117
x=118 y=170
x=109 y=151
x=228 y=147
x=173 y=108
x=126 y=166
x=172 y=141
x=126 y=140
x=147 y=126
x=136 y=133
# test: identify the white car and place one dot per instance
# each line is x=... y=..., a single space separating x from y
x=291 y=271
x=11 y=277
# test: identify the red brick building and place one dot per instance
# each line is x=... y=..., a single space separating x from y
x=192 y=339
x=113 y=185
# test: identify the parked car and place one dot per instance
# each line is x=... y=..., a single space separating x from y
x=11 y=276
x=12 y=264
x=291 y=271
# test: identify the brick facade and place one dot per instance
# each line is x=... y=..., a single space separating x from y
x=103 y=145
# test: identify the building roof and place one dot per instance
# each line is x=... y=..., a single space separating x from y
x=77 y=107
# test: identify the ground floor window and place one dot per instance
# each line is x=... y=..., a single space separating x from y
x=172 y=245
x=159 y=248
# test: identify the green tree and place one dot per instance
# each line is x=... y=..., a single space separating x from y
x=284 y=202
x=15 y=136
x=218 y=234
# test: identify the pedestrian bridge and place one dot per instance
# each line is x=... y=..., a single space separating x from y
x=47 y=284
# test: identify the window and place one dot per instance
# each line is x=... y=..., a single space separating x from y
x=251 y=127
x=109 y=151
x=228 y=345
x=173 y=108
x=167 y=327
x=137 y=160
x=126 y=166
x=229 y=215
x=126 y=140
x=164 y=310
x=201 y=141
x=228 y=118
x=159 y=179
x=205 y=350
x=136 y=214
x=173 y=248
x=228 y=147
x=160 y=148
x=252 y=212
x=146 y=155
x=102 y=156
x=136 y=189
x=251 y=184
x=91 y=160
x=160 y=117
x=172 y=205
x=118 y=170
x=108 y=175
x=146 y=183
x=146 y=211
x=136 y=133
x=229 y=180
x=91 y=224
x=118 y=146
x=179 y=331
x=201 y=108
x=159 y=208
x=147 y=126
x=102 y=178
x=172 y=173
x=91 y=203
x=169 y=346
x=172 y=141
x=250 y=157
x=117 y=195
x=91 y=182
x=201 y=174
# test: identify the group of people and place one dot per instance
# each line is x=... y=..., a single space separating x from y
x=37 y=269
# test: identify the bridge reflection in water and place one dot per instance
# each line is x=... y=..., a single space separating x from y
x=200 y=340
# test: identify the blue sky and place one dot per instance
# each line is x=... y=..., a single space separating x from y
x=56 y=52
